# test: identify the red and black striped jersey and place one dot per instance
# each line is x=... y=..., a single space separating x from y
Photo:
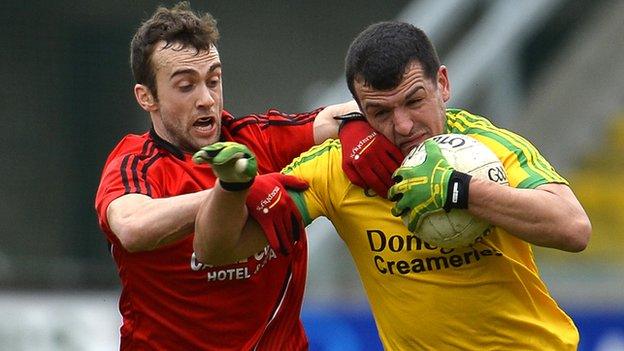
x=169 y=300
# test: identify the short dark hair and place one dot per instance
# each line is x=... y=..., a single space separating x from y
x=176 y=25
x=381 y=53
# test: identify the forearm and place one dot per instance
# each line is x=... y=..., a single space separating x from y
x=325 y=126
x=142 y=223
x=219 y=224
x=547 y=216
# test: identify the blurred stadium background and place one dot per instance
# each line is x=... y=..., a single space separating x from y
x=549 y=69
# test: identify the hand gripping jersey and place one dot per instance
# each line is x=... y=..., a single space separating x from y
x=169 y=300
x=487 y=297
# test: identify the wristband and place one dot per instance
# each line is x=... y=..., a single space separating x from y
x=227 y=186
x=457 y=191
x=349 y=117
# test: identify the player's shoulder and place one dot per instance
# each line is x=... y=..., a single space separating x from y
x=246 y=128
x=131 y=143
x=458 y=119
x=327 y=151
x=270 y=117
x=328 y=148
x=500 y=140
x=134 y=146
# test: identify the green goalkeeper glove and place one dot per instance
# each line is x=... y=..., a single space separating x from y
x=233 y=163
x=424 y=189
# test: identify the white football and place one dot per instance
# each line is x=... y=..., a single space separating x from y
x=457 y=228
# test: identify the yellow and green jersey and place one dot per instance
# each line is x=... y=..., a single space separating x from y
x=485 y=297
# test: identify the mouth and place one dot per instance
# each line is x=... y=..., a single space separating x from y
x=204 y=124
x=412 y=142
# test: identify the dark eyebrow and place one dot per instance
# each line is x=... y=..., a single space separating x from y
x=214 y=67
x=182 y=71
x=413 y=91
x=192 y=71
x=372 y=105
x=409 y=94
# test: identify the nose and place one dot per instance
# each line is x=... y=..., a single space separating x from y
x=205 y=98
x=402 y=122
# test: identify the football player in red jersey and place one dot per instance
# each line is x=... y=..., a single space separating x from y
x=150 y=192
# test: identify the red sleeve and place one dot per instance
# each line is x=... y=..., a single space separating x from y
x=124 y=174
x=275 y=137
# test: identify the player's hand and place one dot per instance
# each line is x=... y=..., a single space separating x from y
x=368 y=158
x=270 y=205
x=233 y=163
x=427 y=188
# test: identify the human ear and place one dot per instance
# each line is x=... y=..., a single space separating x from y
x=443 y=83
x=145 y=98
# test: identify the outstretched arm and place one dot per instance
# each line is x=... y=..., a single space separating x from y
x=142 y=223
x=222 y=215
x=368 y=158
x=224 y=233
x=325 y=124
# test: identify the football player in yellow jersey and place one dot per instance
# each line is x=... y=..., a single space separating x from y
x=485 y=297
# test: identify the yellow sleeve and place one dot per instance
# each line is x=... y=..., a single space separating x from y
x=525 y=166
x=321 y=168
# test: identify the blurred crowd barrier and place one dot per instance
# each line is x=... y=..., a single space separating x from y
x=599 y=186
x=594 y=279
x=90 y=322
